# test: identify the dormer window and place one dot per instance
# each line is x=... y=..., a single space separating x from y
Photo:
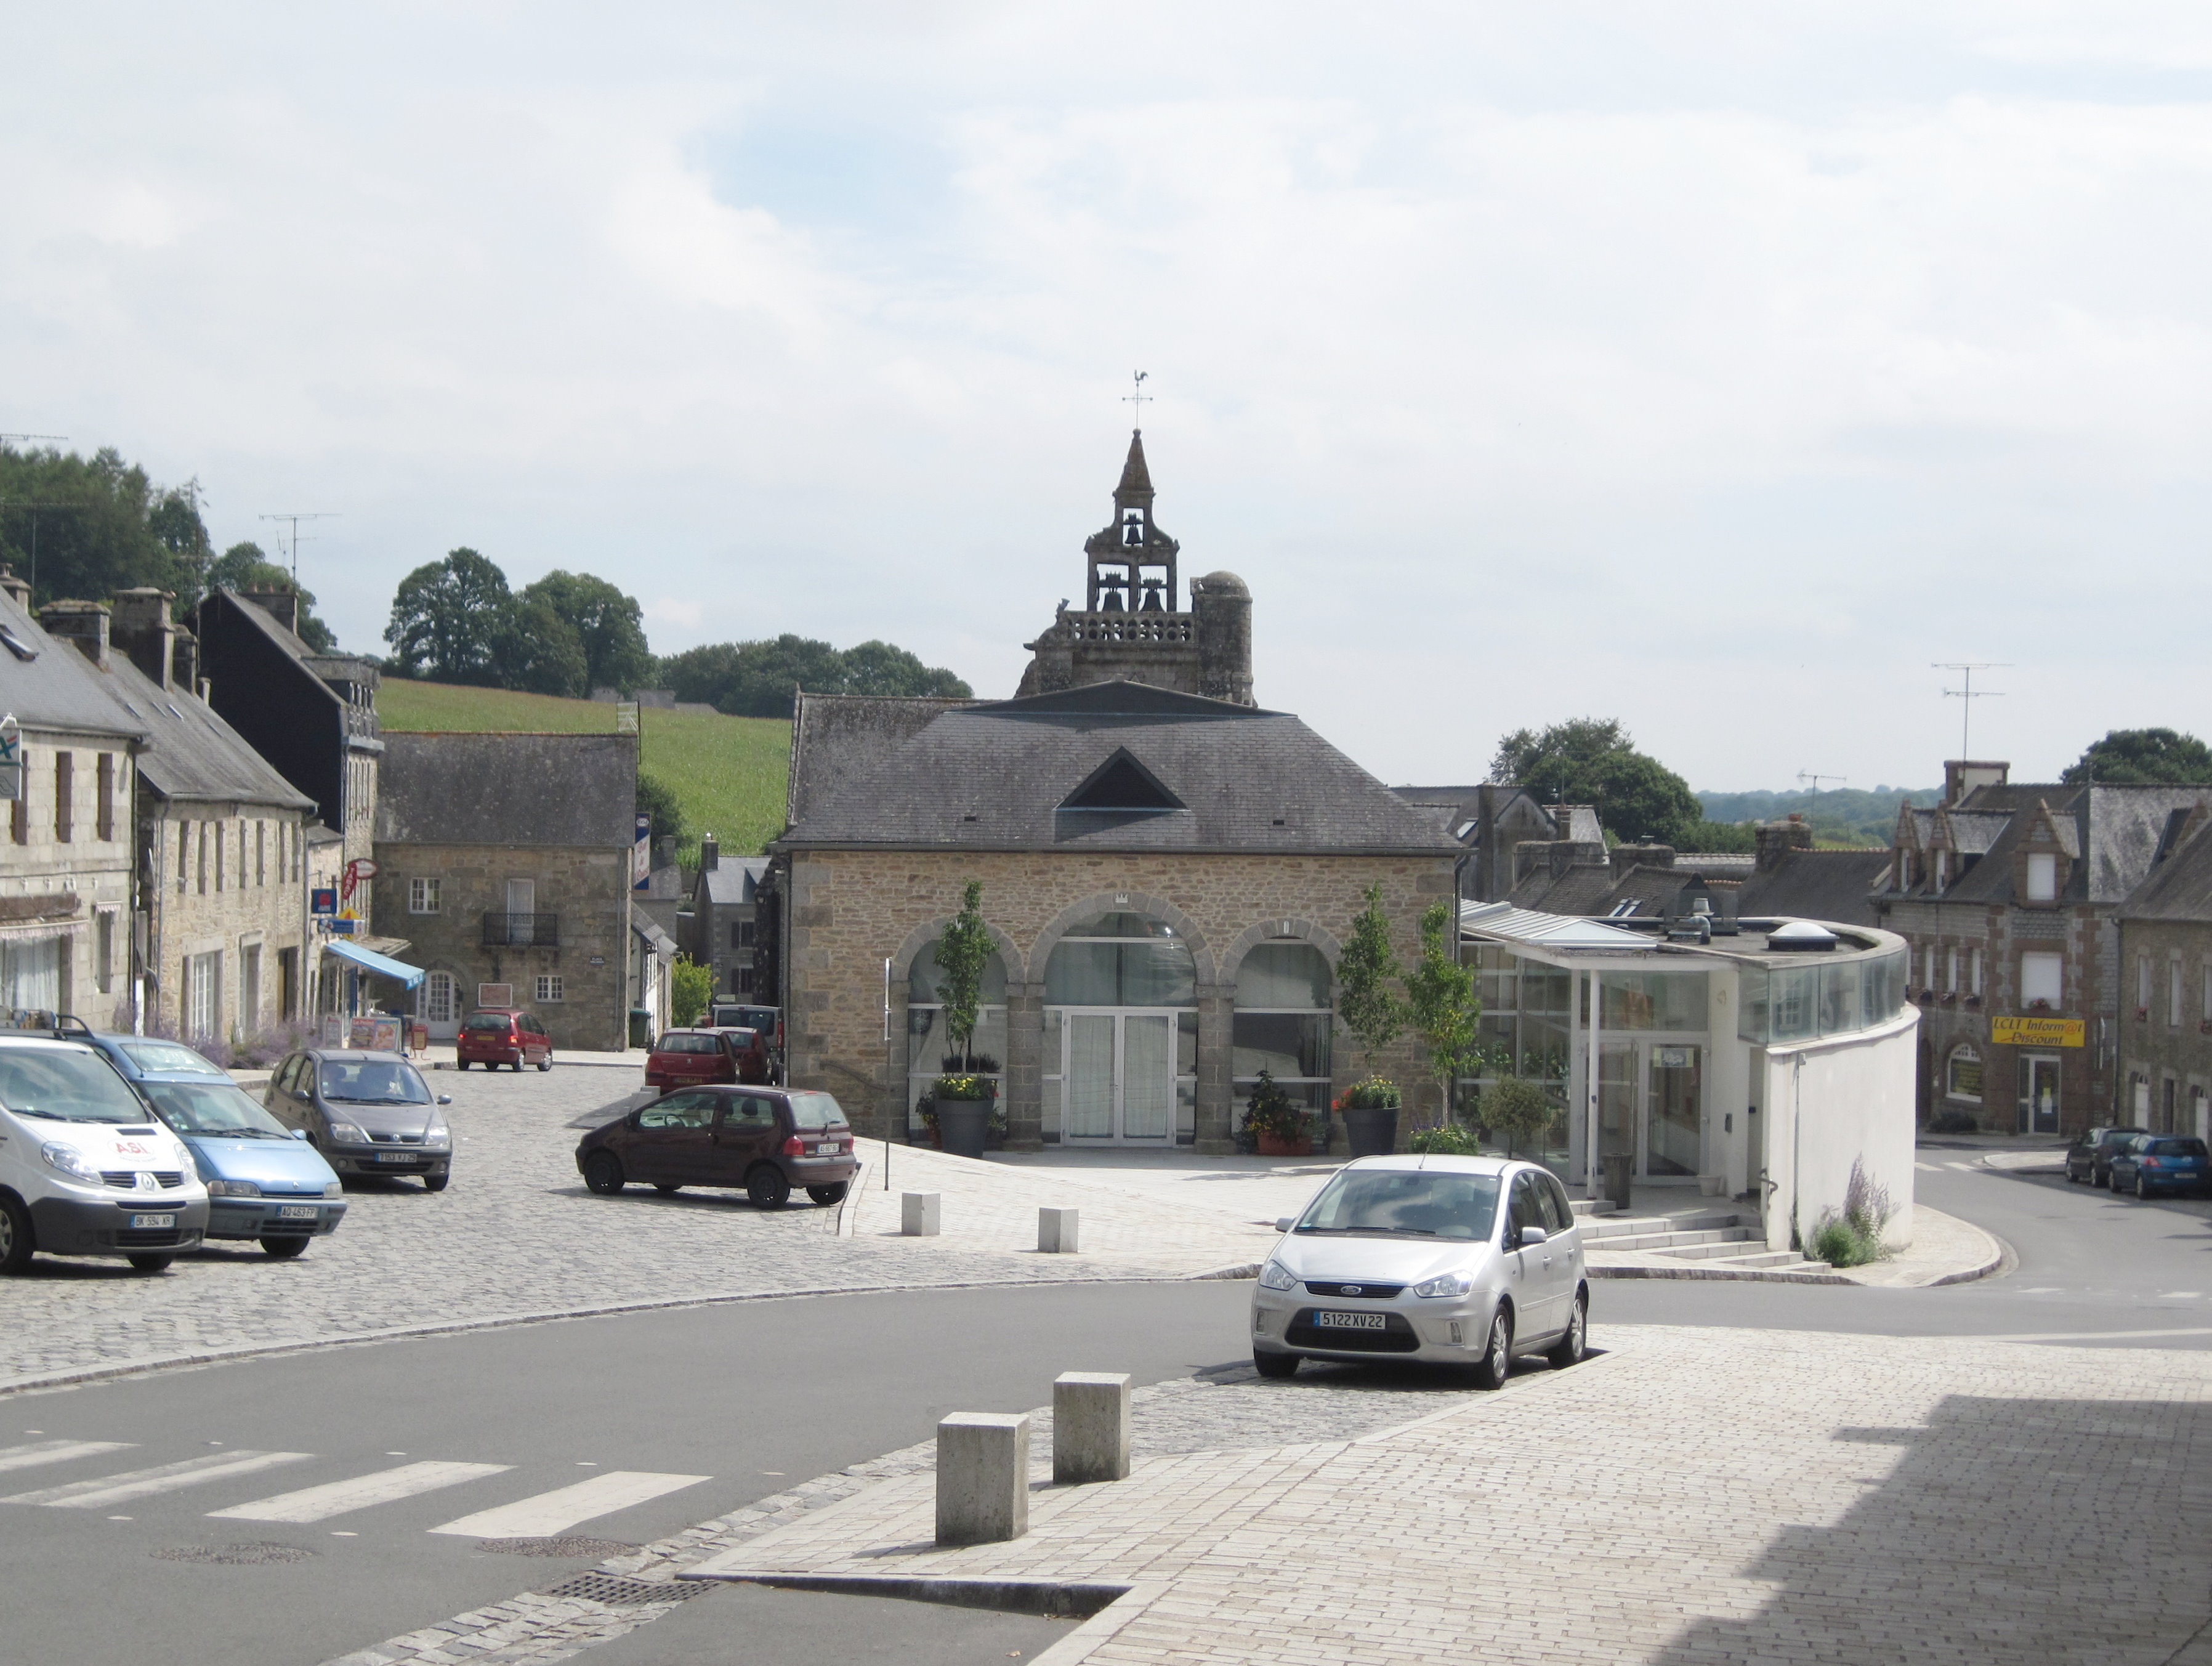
x=2042 y=876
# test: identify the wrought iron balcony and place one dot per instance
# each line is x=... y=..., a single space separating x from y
x=522 y=931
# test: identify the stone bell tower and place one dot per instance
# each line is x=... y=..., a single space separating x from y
x=1131 y=626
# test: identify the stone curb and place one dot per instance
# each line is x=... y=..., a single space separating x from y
x=1731 y=1274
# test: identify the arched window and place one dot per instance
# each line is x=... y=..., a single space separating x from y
x=1962 y=1075
x=1284 y=1015
x=929 y=1047
x=1121 y=1033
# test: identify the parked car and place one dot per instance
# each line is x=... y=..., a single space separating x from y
x=85 y=1169
x=2090 y=1157
x=368 y=1113
x=494 y=1035
x=265 y=1182
x=685 y=1058
x=2153 y=1162
x=765 y=1139
x=1464 y=1261
x=730 y=1015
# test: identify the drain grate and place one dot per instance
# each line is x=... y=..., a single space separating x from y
x=246 y=1555
x=596 y=1549
x=617 y=1592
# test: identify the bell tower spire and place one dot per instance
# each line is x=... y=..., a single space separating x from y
x=1132 y=563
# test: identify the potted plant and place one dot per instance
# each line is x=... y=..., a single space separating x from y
x=1514 y=1108
x=1442 y=1005
x=1274 y=1119
x=964 y=1098
x=1375 y=1017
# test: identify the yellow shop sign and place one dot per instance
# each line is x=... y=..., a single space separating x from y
x=2008 y=1031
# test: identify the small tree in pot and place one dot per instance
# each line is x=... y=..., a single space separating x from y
x=1443 y=1009
x=963 y=1097
x=1515 y=1109
x=1376 y=1016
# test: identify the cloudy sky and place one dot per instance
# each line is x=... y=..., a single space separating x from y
x=1717 y=367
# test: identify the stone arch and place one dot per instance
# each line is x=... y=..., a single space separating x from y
x=1284 y=929
x=1120 y=902
x=1010 y=954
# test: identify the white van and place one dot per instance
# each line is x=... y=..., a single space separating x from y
x=85 y=1168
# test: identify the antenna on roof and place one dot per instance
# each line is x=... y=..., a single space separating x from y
x=296 y=518
x=1968 y=694
x=10 y=439
x=1137 y=399
x=1805 y=775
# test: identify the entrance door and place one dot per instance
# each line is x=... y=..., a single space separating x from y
x=1673 y=1130
x=1620 y=1082
x=1118 y=1074
x=2039 y=1112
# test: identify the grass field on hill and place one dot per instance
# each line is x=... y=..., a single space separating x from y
x=727 y=773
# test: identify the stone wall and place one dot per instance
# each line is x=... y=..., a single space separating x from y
x=853 y=910
x=236 y=897
x=61 y=888
x=2157 y=1045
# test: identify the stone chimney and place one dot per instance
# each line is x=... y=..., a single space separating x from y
x=142 y=627
x=1627 y=856
x=1773 y=839
x=84 y=623
x=282 y=605
x=1221 y=610
x=710 y=854
x=185 y=661
x=1962 y=775
x=15 y=587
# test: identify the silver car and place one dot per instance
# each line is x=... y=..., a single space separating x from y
x=1462 y=1261
x=368 y=1113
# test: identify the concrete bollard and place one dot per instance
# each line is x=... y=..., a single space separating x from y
x=982 y=1478
x=1090 y=1427
x=1056 y=1231
x=918 y=1213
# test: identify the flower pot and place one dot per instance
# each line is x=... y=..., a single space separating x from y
x=962 y=1125
x=1277 y=1145
x=1370 y=1133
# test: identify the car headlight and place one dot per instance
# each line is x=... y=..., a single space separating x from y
x=70 y=1162
x=334 y=1188
x=233 y=1188
x=347 y=1135
x=438 y=1134
x=1276 y=1276
x=1446 y=1284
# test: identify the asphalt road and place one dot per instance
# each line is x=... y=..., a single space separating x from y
x=754 y=1396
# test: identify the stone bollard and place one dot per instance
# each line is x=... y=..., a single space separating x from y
x=982 y=1478
x=1056 y=1231
x=918 y=1213
x=1090 y=1427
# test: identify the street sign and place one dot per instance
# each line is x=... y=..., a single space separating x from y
x=11 y=757
x=641 y=854
x=2009 y=1029
x=323 y=901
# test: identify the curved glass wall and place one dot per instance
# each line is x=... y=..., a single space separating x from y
x=1827 y=996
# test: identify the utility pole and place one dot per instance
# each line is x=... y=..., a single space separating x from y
x=34 y=509
x=293 y=517
x=1966 y=693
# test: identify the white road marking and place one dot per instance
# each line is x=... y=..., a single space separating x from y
x=1928 y=1168
x=1962 y=1167
x=2043 y=1290
x=557 y=1511
x=163 y=1477
x=315 y=1503
x=57 y=1452
x=2178 y=1295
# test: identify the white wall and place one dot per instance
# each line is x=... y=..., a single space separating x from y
x=1830 y=1103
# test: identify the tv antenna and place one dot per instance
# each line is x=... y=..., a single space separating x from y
x=1966 y=693
x=1805 y=776
x=1136 y=399
x=10 y=439
x=294 y=518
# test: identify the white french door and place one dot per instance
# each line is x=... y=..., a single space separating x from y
x=1119 y=1072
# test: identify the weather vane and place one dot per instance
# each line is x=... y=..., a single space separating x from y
x=1137 y=397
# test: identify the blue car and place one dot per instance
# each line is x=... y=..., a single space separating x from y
x=2152 y=1163
x=263 y=1182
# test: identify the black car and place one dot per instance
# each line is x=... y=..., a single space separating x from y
x=2153 y=1162
x=2090 y=1157
x=765 y=1139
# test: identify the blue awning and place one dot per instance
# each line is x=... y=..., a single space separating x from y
x=409 y=975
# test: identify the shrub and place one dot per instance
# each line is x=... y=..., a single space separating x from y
x=691 y=986
x=1854 y=1237
x=1952 y=1121
x=1271 y=1110
x=1451 y=1139
x=1513 y=1108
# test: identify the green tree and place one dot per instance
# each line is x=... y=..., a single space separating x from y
x=2158 y=757
x=879 y=668
x=608 y=625
x=1715 y=838
x=655 y=798
x=1373 y=1015
x=963 y=951
x=1591 y=760
x=245 y=567
x=757 y=680
x=446 y=620
x=1441 y=1005
x=1514 y=1109
x=691 y=986
x=85 y=527
x=536 y=650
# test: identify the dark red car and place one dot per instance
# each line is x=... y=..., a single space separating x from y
x=765 y=1139
x=686 y=1058
x=494 y=1035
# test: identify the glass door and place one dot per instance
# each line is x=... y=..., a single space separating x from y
x=2039 y=1114
x=1089 y=1076
x=1118 y=1074
x=1619 y=1083
x=1674 y=1131
x=1147 y=1076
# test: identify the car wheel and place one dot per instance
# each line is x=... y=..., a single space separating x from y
x=2142 y=1187
x=282 y=1249
x=2072 y=1178
x=460 y=1064
x=603 y=1173
x=16 y=1240
x=767 y=1187
x=1276 y=1366
x=664 y=1189
x=151 y=1263
x=436 y=1182
x=1498 y=1352
x=1571 y=1348
x=826 y=1195
x=546 y=1064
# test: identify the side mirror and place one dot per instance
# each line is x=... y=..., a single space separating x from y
x=301 y=1095
x=1532 y=1236
x=299 y=1134
x=445 y=1098
x=1284 y=1223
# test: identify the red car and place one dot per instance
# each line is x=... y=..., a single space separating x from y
x=502 y=1035
x=686 y=1058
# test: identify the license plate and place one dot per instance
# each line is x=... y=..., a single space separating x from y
x=827 y=1150
x=297 y=1212
x=142 y=1221
x=395 y=1157
x=1326 y=1321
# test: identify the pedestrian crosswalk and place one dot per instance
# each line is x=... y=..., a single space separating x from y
x=545 y=1513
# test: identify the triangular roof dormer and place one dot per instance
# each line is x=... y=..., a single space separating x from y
x=1122 y=785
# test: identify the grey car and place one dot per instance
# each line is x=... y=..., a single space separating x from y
x=368 y=1113
x=1461 y=1261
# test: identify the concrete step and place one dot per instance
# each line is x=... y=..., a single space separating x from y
x=1768 y=1258
x=1595 y=1232
x=1592 y=1206
x=1730 y=1247
x=1712 y=1238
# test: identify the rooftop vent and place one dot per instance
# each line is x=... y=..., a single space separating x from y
x=1801 y=937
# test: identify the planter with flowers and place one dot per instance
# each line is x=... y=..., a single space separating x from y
x=963 y=1098
x=1369 y=1109
x=1276 y=1120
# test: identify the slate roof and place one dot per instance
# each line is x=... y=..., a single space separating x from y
x=990 y=775
x=2113 y=832
x=195 y=756
x=733 y=879
x=568 y=790
x=58 y=689
x=2179 y=888
x=1817 y=884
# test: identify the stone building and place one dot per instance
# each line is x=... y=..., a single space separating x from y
x=1492 y=820
x=66 y=867
x=2165 y=965
x=724 y=924
x=2010 y=896
x=505 y=862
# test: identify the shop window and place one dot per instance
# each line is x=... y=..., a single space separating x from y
x=1962 y=1075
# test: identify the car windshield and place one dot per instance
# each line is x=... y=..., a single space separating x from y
x=816 y=1110
x=166 y=1056
x=2178 y=1148
x=66 y=1087
x=1422 y=1203
x=213 y=1108
x=372 y=1082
